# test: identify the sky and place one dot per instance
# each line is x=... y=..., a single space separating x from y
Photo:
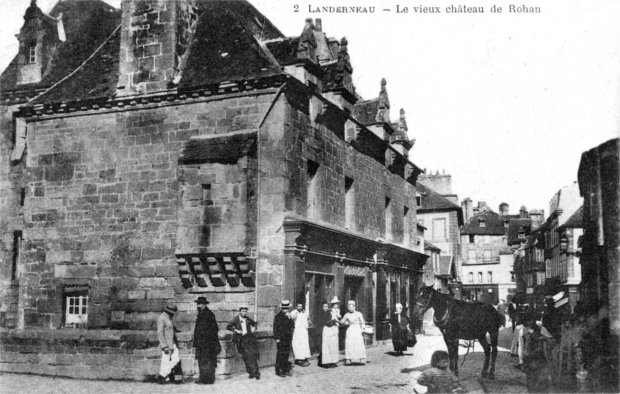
x=503 y=102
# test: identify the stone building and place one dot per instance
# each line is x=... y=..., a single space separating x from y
x=440 y=213
x=600 y=189
x=174 y=149
x=487 y=268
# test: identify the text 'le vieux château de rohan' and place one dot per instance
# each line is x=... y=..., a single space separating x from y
x=421 y=9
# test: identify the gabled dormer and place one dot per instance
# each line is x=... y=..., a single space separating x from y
x=38 y=39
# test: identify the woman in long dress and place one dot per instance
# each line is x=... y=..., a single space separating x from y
x=400 y=327
x=301 y=342
x=354 y=348
x=329 y=349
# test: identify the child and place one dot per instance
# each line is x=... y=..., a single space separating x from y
x=439 y=379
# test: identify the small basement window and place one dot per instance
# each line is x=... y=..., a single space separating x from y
x=76 y=307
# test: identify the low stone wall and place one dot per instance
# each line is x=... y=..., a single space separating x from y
x=112 y=354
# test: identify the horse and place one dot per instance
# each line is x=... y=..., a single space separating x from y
x=462 y=320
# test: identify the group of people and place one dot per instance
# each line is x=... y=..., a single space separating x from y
x=290 y=331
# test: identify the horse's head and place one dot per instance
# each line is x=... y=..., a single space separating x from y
x=424 y=300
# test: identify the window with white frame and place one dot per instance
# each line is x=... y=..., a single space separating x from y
x=540 y=278
x=471 y=257
x=512 y=277
x=76 y=307
x=548 y=268
x=471 y=277
x=487 y=256
x=479 y=277
x=540 y=257
x=490 y=277
x=32 y=53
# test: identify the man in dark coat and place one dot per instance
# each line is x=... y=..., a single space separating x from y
x=243 y=328
x=399 y=324
x=283 y=328
x=206 y=342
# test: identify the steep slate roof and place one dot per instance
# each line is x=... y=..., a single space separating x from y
x=434 y=202
x=514 y=227
x=430 y=246
x=576 y=220
x=224 y=48
x=87 y=25
x=366 y=111
x=494 y=224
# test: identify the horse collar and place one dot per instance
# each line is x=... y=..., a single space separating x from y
x=444 y=318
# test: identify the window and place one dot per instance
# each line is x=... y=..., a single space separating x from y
x=490 y=277
x=472 y=257
x=439 y=229
x=540 y=278
x=487 y=256
x=512 y=277
x=482 y=223
x=547 y=240
x=548 y=268
x=17 y=245
x=406 y=226
x=32 y=52
x=472 y=239
x=22 y=197
x=530 y=279
x=479 y=277
x=471 y=277
x=418 y=200
x=388 y=219
x=76 y=307
x=521 y=235
x=349 y=204
x=206 y=194
x=539 y=255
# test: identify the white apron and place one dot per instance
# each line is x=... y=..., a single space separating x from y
x=301 y=344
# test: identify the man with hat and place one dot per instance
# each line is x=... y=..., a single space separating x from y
x=206 y=342
x=167 y=342
x=283 y=328
x=243 y=328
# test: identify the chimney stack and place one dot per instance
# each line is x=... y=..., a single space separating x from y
x=468 y=208
x=504 y=209
x=523 y=212
x=537 y=217
x=154 y=37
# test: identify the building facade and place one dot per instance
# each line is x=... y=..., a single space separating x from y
x=176 y=158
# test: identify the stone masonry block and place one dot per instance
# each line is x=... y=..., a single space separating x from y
x=81 y=271
x=136 y=294
x=53 y=256
x=153 y=282
x=160 y=294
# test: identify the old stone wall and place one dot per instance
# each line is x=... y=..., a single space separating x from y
x=112 y=354
x=101 y=210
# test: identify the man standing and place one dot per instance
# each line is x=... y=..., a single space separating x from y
x=503 y=310
x=167 y=343
x=283 y=328
x=243 y=328
x=301 y=342
x=206 y=342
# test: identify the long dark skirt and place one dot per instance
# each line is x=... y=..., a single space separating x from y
x=248 y=347
x=399 y=338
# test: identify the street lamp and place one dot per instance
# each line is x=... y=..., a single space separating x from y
x=564 y=244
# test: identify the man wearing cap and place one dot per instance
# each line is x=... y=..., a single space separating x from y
x=243 y=328
x=167 y=342
x=206 y=342
x=283 y=328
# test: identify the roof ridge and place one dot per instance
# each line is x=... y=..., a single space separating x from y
x=78 y=68
x=439 y=194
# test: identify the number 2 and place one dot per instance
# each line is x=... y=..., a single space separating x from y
x=296 y=7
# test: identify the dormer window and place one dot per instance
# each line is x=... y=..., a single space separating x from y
x=521 y=234
x=32 y=53
x=482 y=223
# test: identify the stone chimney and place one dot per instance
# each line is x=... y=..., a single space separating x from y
x=504 y=209
x=342 y=93
x=306 y=69
x=523 y=214
x=155 y=35
x=468 y=208
x=441 y=183
x=537 y=218
x=482 y=206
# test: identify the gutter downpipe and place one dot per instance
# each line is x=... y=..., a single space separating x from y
x=258 y=194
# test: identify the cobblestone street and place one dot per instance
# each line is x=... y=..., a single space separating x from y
x=383 y=373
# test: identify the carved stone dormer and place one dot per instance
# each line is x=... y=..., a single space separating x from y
x=383 y=113
x=38 y=39
x=307 y=43
x=400 y=139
